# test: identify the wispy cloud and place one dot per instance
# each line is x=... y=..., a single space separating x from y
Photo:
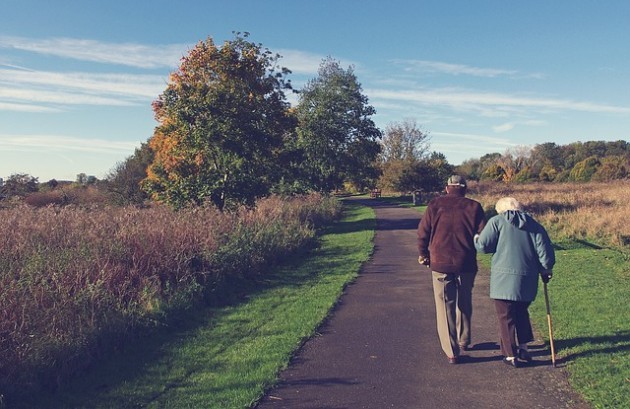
x=32 y=108
x=128 y=54
x=480 y=101
x=300 y=62
x=27 y=90
x=461 y=69
x=63 y=143
x=139 y=55
x=60 y=97
x=465 y=145
x=508 y=126
x=18 y=67
x=130 y=85
x=24 y=89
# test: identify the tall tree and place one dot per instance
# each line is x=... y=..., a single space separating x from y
x=221 y=119
x=404 y=146
x=404 y=141
x=336 y=135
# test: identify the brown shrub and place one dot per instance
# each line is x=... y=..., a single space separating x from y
x=70 y=275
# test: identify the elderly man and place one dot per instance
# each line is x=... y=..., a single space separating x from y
x=445 y=243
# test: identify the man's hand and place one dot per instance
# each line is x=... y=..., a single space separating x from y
x=546 y=275
x=423 y=260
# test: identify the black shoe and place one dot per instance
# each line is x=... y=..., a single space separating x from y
x=512 y=362
x=524 y=355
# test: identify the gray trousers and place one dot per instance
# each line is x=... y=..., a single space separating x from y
x=453 y=308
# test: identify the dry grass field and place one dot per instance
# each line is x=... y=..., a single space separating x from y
x=75 y=279
x=596 y=212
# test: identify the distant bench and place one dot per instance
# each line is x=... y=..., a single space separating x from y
x=375 y=193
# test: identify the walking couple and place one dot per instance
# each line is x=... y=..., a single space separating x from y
x=451 y=231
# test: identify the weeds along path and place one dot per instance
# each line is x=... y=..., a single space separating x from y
x=226 y=357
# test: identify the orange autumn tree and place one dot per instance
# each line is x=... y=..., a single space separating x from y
x=222 y=119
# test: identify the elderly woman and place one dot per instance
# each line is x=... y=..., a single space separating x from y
x=522 y=251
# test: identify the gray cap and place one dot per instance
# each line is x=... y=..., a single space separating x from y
x=456 y=180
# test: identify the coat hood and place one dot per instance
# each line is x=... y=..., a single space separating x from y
x=516 y=218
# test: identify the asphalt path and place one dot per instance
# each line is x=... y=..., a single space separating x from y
x=379 y=347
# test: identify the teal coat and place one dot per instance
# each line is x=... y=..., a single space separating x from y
x=522 y=249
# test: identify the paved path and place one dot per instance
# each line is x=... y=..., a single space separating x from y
x=379 y=348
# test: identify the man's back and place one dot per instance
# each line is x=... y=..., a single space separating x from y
x=446 y=233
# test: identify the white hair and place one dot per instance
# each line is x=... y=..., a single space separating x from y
x=507 y=203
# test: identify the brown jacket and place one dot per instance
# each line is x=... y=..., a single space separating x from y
x=446 y=231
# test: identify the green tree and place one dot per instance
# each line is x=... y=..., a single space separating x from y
x=124 y=180
x=546 y=155
x=618 y=148
x=52 y=184
x=494 y=173
x=19 y=184
x=81 y=179
x=547 y=173
x=429 y=174
x=584 y=170
x=470 y=168
x=438 y=170
x=222 y=120
x=612 y=168
x=336 y=136
x=488 y=167
x=524 y=175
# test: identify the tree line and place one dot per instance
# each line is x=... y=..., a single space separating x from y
x=599 y=161
x=227 y=135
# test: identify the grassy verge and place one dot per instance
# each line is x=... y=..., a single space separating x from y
x=591 y=321
x=227 y=357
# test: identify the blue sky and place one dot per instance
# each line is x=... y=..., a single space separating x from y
x=77 y=78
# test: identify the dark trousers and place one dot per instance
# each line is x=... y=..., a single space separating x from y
x=514 y=324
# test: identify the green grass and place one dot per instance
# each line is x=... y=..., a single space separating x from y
x=591 y=321
x=227 y=357
x=403 y=201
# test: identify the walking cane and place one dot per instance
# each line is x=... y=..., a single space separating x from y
x=553 y=351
